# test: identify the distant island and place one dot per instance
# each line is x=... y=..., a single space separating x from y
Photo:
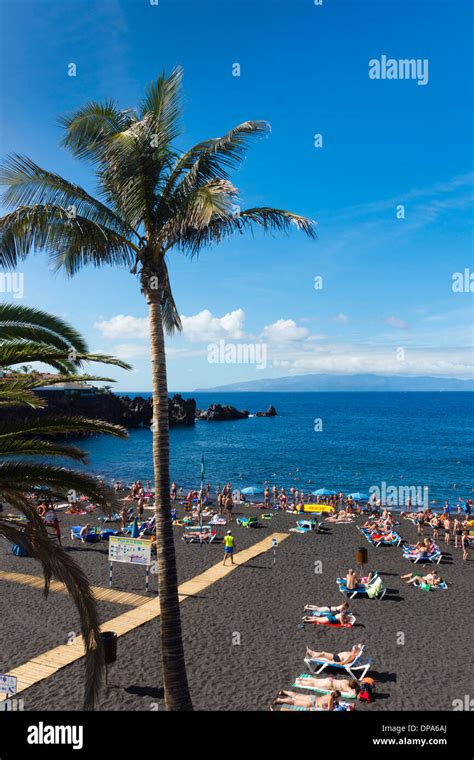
x=346 y=383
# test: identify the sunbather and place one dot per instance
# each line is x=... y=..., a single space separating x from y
x=340 y=608
x=345 y=686
x=415 y=579
x=340 y=658
x=326 y=702
x=351 y=579
x=384 y=536
x=339 y=618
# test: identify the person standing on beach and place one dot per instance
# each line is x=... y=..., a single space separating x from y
x=447 y=530
x=173 y=491
x=457 y=531
x=465 y=543
x=229 y=545
x=140 y=506
x=267 y=497
x=229 y=505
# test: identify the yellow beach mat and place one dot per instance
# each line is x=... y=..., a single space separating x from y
x=318 y=508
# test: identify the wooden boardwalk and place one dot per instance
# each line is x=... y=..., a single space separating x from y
x=101 y=594
x=47 y=664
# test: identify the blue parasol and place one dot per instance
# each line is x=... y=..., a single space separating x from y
x=323 y=492
x=358 y=496
x=251 y=491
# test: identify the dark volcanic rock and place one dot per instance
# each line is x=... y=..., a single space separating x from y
x=120 y=410
x=271 y=412
x=219 y=413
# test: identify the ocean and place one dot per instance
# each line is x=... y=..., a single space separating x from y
x=340 y=441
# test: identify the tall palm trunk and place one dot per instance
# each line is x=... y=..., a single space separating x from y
x=177 y=696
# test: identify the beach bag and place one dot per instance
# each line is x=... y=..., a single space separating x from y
x=366 y=691
x=18 y=551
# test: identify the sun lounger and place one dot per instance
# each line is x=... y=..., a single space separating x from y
x=302 y=676
x=355 y=668
x=377 y=539
x=92 y=536
x=217 y=520
x=375 y=589
x=247 y=522
x=434 y=556
x=201 y=537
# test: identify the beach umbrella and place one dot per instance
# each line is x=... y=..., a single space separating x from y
x=135 y=532
x=251 y=491
x=358 y=496
x=323 y=492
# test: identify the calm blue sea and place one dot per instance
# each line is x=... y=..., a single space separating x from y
x=415 y=439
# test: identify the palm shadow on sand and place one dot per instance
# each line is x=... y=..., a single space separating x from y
x=147 y=691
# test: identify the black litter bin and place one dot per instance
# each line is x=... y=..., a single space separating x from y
x=109 y=643
x=362 y=556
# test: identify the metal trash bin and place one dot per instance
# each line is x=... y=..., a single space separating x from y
x=109 y=643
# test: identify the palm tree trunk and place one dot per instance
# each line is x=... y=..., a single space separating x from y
x=177 y=696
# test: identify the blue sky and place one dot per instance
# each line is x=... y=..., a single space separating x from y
x=387 y=303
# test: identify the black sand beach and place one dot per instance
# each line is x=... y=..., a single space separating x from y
x=242 y=639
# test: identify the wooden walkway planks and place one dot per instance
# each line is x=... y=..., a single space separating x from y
x=126 y=598
x=45 y=665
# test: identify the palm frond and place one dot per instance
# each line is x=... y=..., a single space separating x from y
x=192 y=239
x=90 y=129
x=29 y=185
x=59 y=425
x=56 y=563
x=12 y=315
x=70 y=242
x=213 y=159
x=18 y=478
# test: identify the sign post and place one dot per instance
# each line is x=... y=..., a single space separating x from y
x=274 y=545
x=132 y=551
x=8 y=687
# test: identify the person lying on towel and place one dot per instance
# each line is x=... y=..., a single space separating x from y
x=415 y=579
x=347 y=687
x=344 y=607
x=326 y=702
x=340 y=658
x=330 y=618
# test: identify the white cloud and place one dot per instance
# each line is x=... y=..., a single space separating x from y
x=205 y=326
x=396 y=322
x=284 y=330
x=122 y=326
x=345 y=359
x=127 y=351
x=341 y=317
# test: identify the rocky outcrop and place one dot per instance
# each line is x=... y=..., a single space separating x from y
x=217 y=412
x=120 y=410
x=271 y=412
x=132 y=412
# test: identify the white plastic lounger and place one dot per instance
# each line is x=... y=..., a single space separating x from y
x=375 y=589
x=434 y=557
x=317 y=666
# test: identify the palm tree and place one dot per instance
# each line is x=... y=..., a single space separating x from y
x=151 y=199
x=32 y=335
